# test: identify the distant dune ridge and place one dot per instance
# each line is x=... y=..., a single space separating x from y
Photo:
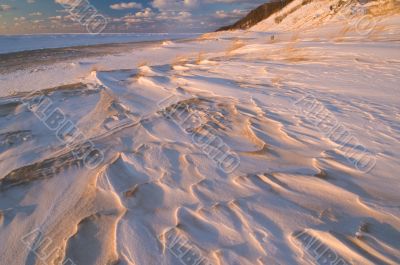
x=258 y=14
x=234 y=148
x=273 y=7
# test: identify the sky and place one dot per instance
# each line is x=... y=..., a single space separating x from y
x=109 y=16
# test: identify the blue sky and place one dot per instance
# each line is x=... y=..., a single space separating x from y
x=54 y=16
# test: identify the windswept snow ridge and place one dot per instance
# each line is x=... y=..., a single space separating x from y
x=243 y=148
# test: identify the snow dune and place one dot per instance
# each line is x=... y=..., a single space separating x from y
x=212 y=152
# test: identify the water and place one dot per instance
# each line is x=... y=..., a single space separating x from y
x=17 y=43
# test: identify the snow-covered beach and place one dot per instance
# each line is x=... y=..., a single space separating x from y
x=274 y=145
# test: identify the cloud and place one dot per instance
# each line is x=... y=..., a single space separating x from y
x=175 y=5
x=138 y=17
x=145 y=13
x=56 y=17
x=5 y=8
x=223 y=1
x=122 y=6
x=20 y=19
x=65 y=2
x=236 y=13
x=35 y=14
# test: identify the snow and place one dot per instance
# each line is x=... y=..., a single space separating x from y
x=310 y=119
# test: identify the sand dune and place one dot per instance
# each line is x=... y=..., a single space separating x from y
x=216 y=158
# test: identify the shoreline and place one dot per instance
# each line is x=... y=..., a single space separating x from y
x=25 y=60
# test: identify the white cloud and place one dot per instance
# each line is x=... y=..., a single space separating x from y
x=172 y=15
x=140 y=16
x=130 y=5
x=145 y=13
x=175 y=5
x=236 y=13
x=65 y=2
x=55 y=18
x=20 y=19
x=5 y=7
x=35 y=14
